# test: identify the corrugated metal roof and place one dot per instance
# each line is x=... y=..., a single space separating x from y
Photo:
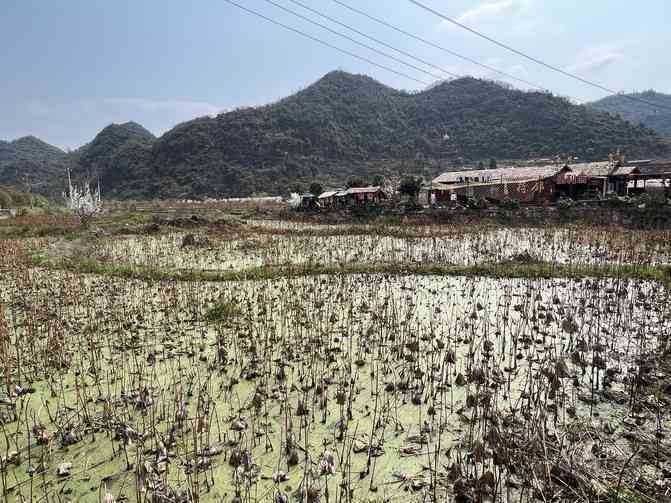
x=327 y=194
x=601 y=168
x=362 y=190
x=626 y=170
x=494 y=183
x=660 y=167
x=497 y=174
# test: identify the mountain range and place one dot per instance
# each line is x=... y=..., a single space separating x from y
x=650 y=108
x=341 y=126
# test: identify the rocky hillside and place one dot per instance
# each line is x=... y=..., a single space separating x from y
x=653 y=117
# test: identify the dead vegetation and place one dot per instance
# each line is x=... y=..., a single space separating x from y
x=360 y=387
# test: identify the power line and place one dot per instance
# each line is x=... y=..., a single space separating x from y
x=370 y=48
x=530 y=58
x=315 y=39
x=402 y=74
x=436 y=46
x=400 y=51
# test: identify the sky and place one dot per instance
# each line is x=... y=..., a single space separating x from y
x=69 y=68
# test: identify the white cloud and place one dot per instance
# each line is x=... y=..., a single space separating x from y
x=144 y=106
x=593 y=59
x=73 y=123
x=179 y=107
x=494 y=9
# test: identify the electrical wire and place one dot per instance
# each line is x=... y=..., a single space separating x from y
x=327 y=44
x=439 y=47
x=531 y=58
x=366 y=46
x=400 y=51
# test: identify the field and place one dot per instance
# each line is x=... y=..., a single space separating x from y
x=248 y=359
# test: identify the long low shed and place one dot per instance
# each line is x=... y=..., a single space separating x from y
x=528 y=191
x=531 y=185
x=544 y=184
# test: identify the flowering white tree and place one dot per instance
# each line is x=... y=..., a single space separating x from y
x=83 y=201
x=294 y=200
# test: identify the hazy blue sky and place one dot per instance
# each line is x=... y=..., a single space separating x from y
x=70 y=67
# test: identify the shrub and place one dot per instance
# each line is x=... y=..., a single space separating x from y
x=651 y=200
x=565 y=204
x=477 y=203
x=510 y=204
x=316 y=188
x=410 y=186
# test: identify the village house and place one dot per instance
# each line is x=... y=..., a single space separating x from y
x=599 y=179
x=361 y=196
x=354 y=196
x=524 y=184
x=308 y=200
x=549 y=183
x=655 y=175
x=331 y=198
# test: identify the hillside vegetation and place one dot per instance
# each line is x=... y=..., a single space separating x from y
x=118 y=157
x=348 y=125
x=12 y=198
x=658 y=119
x=29 y=162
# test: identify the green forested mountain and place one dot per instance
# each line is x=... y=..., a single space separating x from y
x=28 y=148
x=653 y=117
x=30 y=163
x=118 y=157
x=350 y=125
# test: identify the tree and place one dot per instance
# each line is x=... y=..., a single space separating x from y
x=316 y=188
x=356 y=182
x=378 y=180
x=27 y=187
x=410 y=186
x=83 y=201
x=492 y=163
x=481 y=165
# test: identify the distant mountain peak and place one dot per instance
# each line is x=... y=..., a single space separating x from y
x=30 y=158
x=343 y=75
x=28 y=138
x=340 y=78
x=654 y=111
x=130 y=127
x=31 y=140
